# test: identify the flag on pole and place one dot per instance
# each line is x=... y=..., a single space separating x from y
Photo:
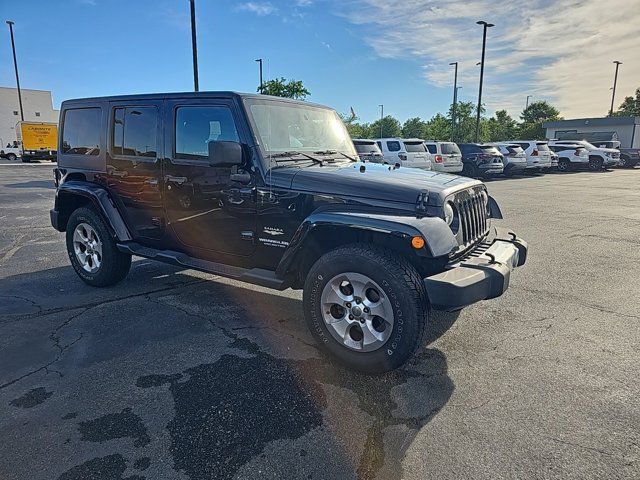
x=353 y=114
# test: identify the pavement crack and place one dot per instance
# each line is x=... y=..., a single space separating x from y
x=577 y=445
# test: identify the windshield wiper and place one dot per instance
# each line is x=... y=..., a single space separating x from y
x=335 y=152
x=295 y=154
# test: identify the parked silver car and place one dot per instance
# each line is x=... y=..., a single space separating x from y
x=445 y=156
x=515 y=160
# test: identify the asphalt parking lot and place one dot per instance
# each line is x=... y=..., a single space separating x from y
x=175 y=374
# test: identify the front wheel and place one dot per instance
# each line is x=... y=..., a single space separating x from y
x=564 y=165
x=595 y=164
x=366 y=307
x=11 y=157
x=93 y=251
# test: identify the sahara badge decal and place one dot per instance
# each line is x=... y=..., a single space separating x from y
x=273 y=231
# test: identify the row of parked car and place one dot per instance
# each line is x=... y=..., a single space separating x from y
x=512 y=157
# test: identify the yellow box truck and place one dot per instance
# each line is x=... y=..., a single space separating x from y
x=38 y=141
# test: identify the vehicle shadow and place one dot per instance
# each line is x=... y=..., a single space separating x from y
x=265 y=399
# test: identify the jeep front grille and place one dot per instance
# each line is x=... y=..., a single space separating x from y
x=471 y=206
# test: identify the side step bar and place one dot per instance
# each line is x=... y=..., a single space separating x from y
x=257 y=276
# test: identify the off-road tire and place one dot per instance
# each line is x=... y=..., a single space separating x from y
x=402 y=285
x=114 y=266
x=564 y=165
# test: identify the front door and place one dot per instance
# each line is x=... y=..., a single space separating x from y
x=209 y=213
x=133 y=168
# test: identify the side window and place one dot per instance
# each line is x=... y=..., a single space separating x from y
x=197 y=126
x=393 y=146
x=524 y=145
x=81 y=131
x=432 y=148
x=379 y=145
x=135 y=131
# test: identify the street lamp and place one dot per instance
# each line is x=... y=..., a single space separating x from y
x=455 y=101
x=381 y=118
x=615 y=81
x=527 y=104
x=15 y=66
x=484 y=46
x=194 y=46
x=259 y=60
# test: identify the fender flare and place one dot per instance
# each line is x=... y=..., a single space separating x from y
x=439 y=239
x=101 y=200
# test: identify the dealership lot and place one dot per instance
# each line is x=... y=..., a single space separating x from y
x=179 y=374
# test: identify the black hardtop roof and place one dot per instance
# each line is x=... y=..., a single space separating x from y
x=185 y=95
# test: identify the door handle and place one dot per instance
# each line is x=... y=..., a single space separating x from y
x=176 y=180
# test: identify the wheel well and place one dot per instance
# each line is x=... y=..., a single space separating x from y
x=67 y=203
x=595 y=157
x=325 y=239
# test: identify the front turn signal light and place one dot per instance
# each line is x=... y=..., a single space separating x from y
x=417 y=242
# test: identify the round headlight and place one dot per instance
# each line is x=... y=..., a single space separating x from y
x=448 y=213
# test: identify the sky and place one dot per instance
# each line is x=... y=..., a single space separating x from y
x=348 y=53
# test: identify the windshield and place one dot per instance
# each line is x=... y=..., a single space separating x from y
x=489 y=149
x=542 y=147
x=285 y=127
x=514 y=149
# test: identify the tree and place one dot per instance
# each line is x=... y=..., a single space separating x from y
x=465 y=121
x=414 y=128
x=355 y=129
x=390 y=128
x=534 y=116
x=438 y=128
x=499 y=127
x=630 y=107
x=280 y=87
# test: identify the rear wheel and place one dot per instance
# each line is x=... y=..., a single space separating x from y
x=93 y=251
x=564 y=165
x=470 y=170
x=366 y=307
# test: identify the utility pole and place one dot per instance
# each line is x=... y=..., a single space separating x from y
x=194 y=45
x=527 y=104
x=455 y=102
x=615 y=81
x=484 y=46
x=15 y=66
x=259 y=60
x=381 y=118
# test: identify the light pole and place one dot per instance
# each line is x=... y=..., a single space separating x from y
x=615 y=81
x=194 y=45
x=259 y=60
x=381 y=118
x=455 y=101
x=484 y=46
x=15 y=66
x=527 y=104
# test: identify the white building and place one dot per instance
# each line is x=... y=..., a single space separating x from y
x=37 y=106
x=626 y=130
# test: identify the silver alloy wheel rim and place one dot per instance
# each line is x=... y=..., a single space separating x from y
x=357 y=312
x=87 y=247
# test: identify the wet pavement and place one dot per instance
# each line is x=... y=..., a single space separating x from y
x=183 y=375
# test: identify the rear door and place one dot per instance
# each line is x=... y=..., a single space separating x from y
x=133 y=168
x=451 y=154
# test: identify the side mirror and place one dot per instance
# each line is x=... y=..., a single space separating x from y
x=225 y=154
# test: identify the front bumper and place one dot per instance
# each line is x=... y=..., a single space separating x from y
x=482 y=274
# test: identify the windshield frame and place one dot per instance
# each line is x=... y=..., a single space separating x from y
x=339 y=157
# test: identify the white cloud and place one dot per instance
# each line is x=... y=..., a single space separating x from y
x=558 y=50
x=259 y=8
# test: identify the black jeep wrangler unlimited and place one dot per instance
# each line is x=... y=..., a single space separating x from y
x=270 y=191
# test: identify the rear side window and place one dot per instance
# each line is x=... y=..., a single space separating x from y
x=514 y=150
x=393 y=146
x=135 y=131
x=81 y=131
x=431 y=147
x=449 y=149
x=414 y=147
x=196 y=127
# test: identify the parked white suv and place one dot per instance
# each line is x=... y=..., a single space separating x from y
x=570 y=156
x=445 y=156
x=538 y=154
x=515 y=160
x=599 y=158
x=408 y=152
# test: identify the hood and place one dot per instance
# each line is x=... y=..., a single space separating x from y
x=377 y=181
